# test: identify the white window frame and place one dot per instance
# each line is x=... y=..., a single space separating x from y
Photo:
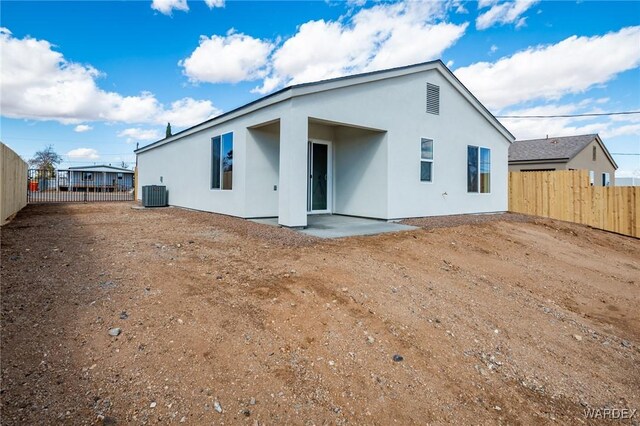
x=426 y=160
x=479 y=148
x=606 y=179
x=221 y=136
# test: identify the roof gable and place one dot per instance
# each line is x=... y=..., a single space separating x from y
x=336 y=83
x=558 y=149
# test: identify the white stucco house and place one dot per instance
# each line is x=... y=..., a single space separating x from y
x=399 y=143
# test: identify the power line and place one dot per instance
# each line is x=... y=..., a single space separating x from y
x=625 y=153
x=590 y=114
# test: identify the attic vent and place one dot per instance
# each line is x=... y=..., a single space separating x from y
x=433 y=99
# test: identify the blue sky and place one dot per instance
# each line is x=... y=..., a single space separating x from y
x=93 y=78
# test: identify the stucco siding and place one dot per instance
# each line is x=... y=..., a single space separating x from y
x=360 y=173
x=184 y=166
x=458 y=125
x=584 y=161
x=263 y=165
x=398 y=106
x=376 y=128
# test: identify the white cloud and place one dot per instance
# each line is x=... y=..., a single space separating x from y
x=214 y=3
x=504 y=13
x=493 y=48
x=460 y=9
x=621 y=130
x=486 y=3
x=227 y=59
x=136 y=134
x=187 y=112
x=38 y=83
x=532 y=128
x=166 y=6
x=383 y=36
x=82 y=128
x=83 y=153
x=549 y=72
x=521 y=22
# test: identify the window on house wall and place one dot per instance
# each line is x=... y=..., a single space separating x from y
x=433 y=99
x=426 y=160
x=120 y=176
x=478 y=169
x=472 y=169
x=592 y=177
x=87 y=176
x=606 y=179
x=485 y=170
x=222 y=162
x=594 y=151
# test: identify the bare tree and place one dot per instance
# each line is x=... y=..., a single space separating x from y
x=46 y=159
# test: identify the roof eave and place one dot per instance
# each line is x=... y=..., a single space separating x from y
x=540 y=160
x=335 y=83
x=606 y=151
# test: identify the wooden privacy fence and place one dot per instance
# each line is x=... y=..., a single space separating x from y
x=13 y=183
x=567 y=195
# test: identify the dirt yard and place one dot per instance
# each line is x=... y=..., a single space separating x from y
x=225 y=321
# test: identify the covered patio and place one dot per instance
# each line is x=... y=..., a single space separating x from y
x=321 y=167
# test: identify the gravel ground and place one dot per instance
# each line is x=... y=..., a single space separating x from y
x=226 y=321
x=467 y=219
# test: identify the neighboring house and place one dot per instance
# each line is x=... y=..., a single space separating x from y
x=398 y=143
x=95 y=178
x=628 y=181
x=583 y=152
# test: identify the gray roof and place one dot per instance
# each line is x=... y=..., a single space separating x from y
x=99 y=168
x=562 y=148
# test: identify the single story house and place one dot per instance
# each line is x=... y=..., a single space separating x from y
x=95 y=178
x=398 y=143
x=628 y=181
x=582 y=152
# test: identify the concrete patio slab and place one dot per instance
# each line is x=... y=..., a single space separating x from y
x=336 y=226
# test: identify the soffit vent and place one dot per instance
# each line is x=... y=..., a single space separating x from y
x=433 y=99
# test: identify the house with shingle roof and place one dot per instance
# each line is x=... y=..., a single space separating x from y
x=390 y=144
x=581 y=152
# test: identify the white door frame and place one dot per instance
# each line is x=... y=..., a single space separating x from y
x=329 y=176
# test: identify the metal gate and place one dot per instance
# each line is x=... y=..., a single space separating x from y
x=68 y=186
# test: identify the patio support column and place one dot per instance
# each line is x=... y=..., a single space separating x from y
x=292 y=186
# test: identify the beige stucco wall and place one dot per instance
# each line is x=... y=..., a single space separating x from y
x=13 y=183
x=584 y=161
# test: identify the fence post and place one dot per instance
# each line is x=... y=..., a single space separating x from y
x=135 y=183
